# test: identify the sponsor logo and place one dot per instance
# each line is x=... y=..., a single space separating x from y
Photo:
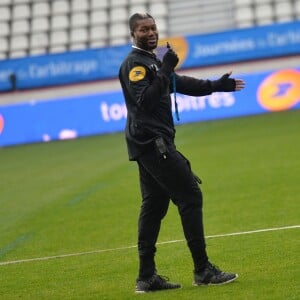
x=280 y=90
x=114 y=112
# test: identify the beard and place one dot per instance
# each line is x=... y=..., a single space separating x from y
x=147 y=44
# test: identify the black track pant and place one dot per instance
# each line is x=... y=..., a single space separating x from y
x=161 y=180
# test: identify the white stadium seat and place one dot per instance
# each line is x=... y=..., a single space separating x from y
x=98 y=32
x=4 y=29
x=39 y=24
x=98 y=44
x=5 y=13
x=21 y=11
x=243 y=2
x=137 y=2
x=60 y=7
x=158 y=9
x=96 y=4
x=19 y=42
x=3 y=44
x=5 y=2
x=244 y=14
x=118 y=3
x=79 y=35
x=39 y=40
x=284 y=11
x=262 y=1
x=99 y=17
x=79 y=46
x=118 y=30
x=58 y=49
x=59 y=37
x=59 y=22
x=20 y=26
x=297 y=9
x=137 y=8
x=161 y=24
x=116 y=41
x=38 y=51
x=20 y=1
x=17 y=53
x=118 y=14
x=40 y=9
x=80 y=5
x=79 y=19
x=264 y=11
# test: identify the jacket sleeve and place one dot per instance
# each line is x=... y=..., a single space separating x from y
x=149 y=89
x=192 y=86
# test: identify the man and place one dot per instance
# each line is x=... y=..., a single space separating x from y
x=163 y=171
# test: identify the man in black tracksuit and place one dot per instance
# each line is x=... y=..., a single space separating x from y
x=164 y=172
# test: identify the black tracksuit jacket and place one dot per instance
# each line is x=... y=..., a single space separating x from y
x=147 y=88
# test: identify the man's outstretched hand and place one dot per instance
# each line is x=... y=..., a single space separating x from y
x=227 y=84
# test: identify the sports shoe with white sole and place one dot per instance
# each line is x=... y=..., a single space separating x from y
x=213 y=276
x=155 y=283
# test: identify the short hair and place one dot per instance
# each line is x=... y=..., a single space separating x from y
x=136 y=17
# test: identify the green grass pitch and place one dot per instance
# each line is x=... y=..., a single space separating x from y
x=81 y=196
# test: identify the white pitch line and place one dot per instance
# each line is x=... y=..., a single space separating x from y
x=135 y=246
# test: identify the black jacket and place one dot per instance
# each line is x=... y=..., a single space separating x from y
x=147 y=88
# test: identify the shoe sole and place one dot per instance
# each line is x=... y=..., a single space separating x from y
x=153 y=291
x=221 y=283
x=141 y=292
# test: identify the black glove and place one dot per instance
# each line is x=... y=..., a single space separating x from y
x=169 y=62
x=224 y=84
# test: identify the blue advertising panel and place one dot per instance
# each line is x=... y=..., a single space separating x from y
x=244 y=44
x=61 y=119
x=62 y=68
x=193 y=51
x=102 y=113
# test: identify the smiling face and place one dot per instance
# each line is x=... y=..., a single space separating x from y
x=145 y=34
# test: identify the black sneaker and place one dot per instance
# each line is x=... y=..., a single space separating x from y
x=213 y=276
x=155 y=283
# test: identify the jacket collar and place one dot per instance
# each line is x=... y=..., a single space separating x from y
x=140 y=50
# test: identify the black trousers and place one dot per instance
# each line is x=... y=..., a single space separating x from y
x=162 y=179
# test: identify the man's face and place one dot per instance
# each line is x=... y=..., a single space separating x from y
x=145 y=34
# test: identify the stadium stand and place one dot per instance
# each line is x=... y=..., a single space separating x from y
x=30 y=27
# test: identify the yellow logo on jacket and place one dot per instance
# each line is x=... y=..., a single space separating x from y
x=137 y=73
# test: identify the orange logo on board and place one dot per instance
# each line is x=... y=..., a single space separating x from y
x=1 y=123
x=280 y=90
x=179 y=45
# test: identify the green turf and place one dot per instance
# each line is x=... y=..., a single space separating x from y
x=82 y=195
